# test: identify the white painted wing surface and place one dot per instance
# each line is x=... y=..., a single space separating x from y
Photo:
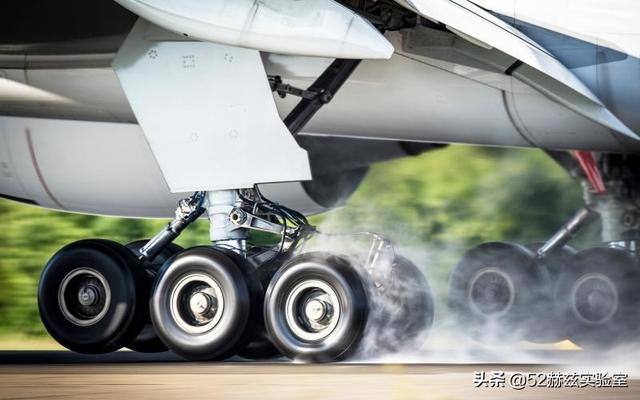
x=540 y=69
x=303 y=27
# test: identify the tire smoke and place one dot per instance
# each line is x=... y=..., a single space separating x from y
x=538 y=336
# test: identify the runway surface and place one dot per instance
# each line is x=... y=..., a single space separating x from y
x=129 y=376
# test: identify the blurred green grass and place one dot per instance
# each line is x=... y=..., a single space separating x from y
x=434 y=206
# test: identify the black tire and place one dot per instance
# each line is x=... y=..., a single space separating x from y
x=343 y=333
x=240 y=292
x=261 y=347
x=402 y=311
x=148 y=341
x=100 y=264
x=549 y=326
x=490 y=291
x=599 y=294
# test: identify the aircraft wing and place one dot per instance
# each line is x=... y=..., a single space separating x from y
x=326 y=28
x=534 y=65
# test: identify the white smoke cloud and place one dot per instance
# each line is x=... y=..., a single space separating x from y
x=446 y=341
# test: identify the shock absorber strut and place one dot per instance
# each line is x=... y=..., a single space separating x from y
x=222 y=231
x=589 y=167
x=188 y=210
x=566 y=232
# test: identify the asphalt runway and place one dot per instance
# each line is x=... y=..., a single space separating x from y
x=129 y=376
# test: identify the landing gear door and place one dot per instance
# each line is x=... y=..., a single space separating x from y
x=207 y=111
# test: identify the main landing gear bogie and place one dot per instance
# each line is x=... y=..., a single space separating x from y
x=233 y=298
x=548 y=293
x=589 y=297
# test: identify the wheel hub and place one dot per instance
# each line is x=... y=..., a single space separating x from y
x=84 y=296
x=197 y=303
x=203 y=304
x=316 y=310
x=87 y=295
x=595 y=298
x=312 y=310
x=491 y=292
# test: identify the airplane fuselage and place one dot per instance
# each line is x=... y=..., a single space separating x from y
x=70 y=139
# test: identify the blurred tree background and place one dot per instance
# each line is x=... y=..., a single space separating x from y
x=434 y=206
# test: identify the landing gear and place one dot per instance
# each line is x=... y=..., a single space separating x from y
x=89 y=296
x=205 y=303
x=260 y=346
x=148 y=341
x=598 y=293
x=209 y=302
x=404 y=308
x=492 y=289
x=506 y=292
x=549 y=325
x=549 y=292
x=316 y=308
x=321 y=307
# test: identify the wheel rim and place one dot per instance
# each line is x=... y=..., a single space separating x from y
x=491 y=292
x=84 y=296
x=312 y=310
x=594 y=298
x=196 y=303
